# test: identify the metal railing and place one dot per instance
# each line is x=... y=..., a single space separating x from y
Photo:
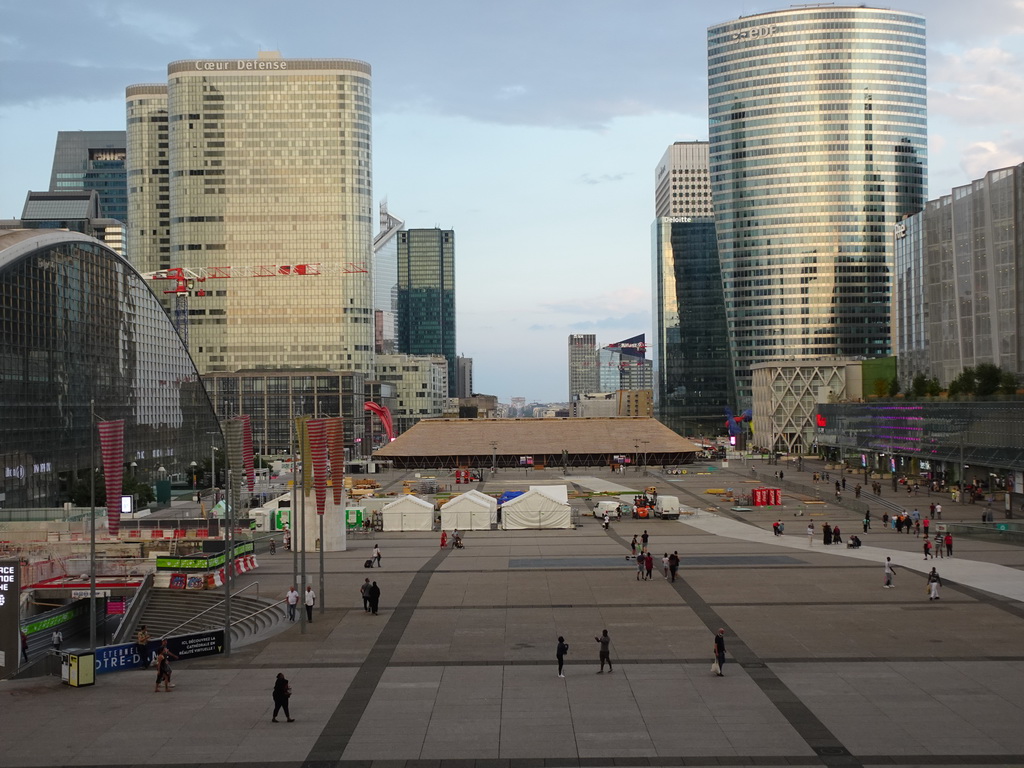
x=256 y=584
x=261 y=610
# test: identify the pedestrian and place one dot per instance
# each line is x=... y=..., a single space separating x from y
x=782 y=528
x=837 y=537
x=142 y=646
x=455 y=536
x=927 y=549
x=292 y=599
x=282 y=692
x=775 y=528
x=641 y=566
x=917 y=528
x=56 y=639
x=560 y=650
x=444 y=539
x=643 y=540
x=937 y=549
x=720 y=653
x=810 y=534
x=885 y=520
x=926 y=523
x=844 y=482
x=826 y=534
x=673 y=564
x=948 y=541
x=163 y=667
x=287 y=539
x=649 y=565
x=866 y=523
x=889 y=573
x=664 y=564
x=938 y=512
x=605 y=653
x=24 y=647
x=632 y=546
x=374 y=593
x=364 y=591
x=310 y=600
x=376 y=554
x=934 y=582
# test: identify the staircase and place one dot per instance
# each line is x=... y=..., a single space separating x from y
x=179 y=611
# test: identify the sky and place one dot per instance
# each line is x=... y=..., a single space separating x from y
x=530 y=128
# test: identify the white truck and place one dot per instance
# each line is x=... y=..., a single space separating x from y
x=611 y=507
x=667 y=507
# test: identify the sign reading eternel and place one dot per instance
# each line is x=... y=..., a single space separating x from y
x=10 y=634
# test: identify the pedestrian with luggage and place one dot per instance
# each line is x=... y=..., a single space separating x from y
x=282 y=692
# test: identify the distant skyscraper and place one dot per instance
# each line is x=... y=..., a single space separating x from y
x=681 y=181
x=818 y=129
x=266 y=163
x=385 y=283
x=583 y=368
x=426 y=295
x=464 y=376
x=84 y=160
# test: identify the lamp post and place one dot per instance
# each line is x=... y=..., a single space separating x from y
x=92 y=526
x=494 y=457
x=193 y=465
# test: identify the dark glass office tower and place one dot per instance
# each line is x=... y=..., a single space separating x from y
x=818 y=147
x=692 y=373
x=84 y=160
x=426 y=295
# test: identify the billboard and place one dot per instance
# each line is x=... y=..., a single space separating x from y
x=10 y=616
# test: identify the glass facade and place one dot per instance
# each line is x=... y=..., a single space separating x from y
x=818 y=130
x=583 y=365
x=692 y=373
x=385 y=283
x=274 y=399
x=269 y=164
x=78 y=324
x=426 y=295
x=84 y=160
x=973 y=276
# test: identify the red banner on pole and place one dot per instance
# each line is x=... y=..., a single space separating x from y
x=112 y=450
x=247 y=459
x=318 y=453
x=336 y=454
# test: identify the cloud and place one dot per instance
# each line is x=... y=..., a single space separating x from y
x=586 y=178
x=981 y=157
x=978 y=87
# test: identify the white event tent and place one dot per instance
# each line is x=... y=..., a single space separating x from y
x=409 y=513
x=534 y=510
x=470 y=511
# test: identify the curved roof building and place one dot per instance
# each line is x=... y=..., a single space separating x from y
x=79 y=325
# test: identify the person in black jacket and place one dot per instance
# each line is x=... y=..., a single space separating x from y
x=374 y=594
x=720 y=651
x=282 y=692
x=560 y=651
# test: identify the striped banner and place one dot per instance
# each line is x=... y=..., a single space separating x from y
x=336 y=454
x=112 y=449
x=250 y=475
x=318 y=454
x=233 y=437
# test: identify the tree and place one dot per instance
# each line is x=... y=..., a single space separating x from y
x=934 y=388
x=880 y=387
x=964 y=384
x=894 y=387
x=1008 y=383
x=919 y=386
x=987 y=379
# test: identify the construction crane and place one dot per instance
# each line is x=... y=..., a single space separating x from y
x=186 y=280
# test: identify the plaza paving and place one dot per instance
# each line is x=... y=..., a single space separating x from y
x=824 y=666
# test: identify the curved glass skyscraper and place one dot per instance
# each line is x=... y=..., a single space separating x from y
x=818 y=127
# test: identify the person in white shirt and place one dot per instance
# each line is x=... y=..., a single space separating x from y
x=293 y=600
x=310 y=600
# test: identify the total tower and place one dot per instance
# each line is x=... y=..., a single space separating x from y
x=818 y=128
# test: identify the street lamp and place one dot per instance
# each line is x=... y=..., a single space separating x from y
x=193 y=465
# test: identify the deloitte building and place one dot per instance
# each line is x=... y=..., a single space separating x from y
x=817 y=132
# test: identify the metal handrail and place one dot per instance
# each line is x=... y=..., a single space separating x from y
x=261 y=610
x=170 y=632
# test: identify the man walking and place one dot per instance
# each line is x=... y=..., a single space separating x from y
x=938 y=511
x=292 y=598
x=673 y=564
x=934 y=582
x=605 y=654
x=364 y=591
x=56 y=639
x=720 y=652
x=948 y=541
x=310 y=600
x=889 y=573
